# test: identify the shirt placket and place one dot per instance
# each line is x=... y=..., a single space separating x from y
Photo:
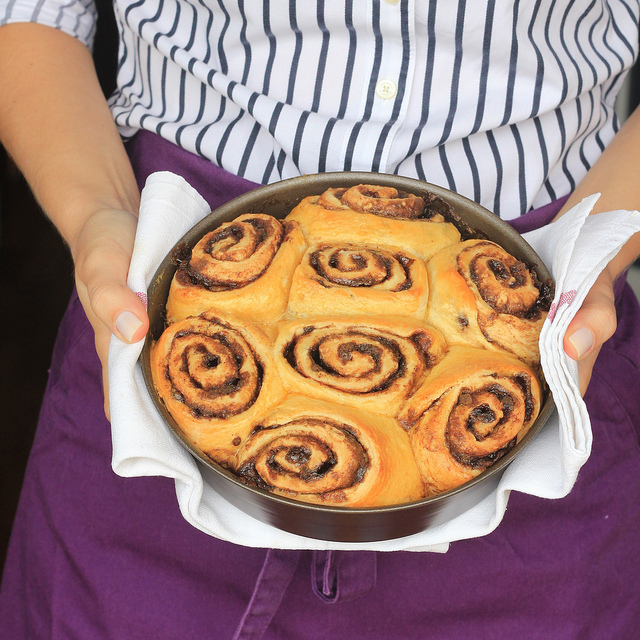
x=390 y=86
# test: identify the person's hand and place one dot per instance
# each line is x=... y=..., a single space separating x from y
x=594 y=323
x=102 y=253
x=66 y=144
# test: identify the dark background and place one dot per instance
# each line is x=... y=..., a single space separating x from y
x=35 y=284
x=36 y=280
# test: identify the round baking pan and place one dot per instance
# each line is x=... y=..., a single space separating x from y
x=341 y=524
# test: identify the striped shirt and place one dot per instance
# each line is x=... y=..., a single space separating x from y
x=508 y=102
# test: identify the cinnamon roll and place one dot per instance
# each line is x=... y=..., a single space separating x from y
x=473 y=408
x=314 y=451
x=346 y=279
x=243 y=267
x=378 y=216
x=481 y=295
x=370 y=363
x=216 y=377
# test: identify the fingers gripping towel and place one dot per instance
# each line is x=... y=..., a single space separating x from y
x=575 y=248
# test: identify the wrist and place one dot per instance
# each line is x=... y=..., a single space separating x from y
x=104 y=232
x=85 y=214
x=629 y=253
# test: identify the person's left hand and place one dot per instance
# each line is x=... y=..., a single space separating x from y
x=594 y=323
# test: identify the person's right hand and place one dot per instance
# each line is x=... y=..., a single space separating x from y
x=66 y=144
x=102 y=253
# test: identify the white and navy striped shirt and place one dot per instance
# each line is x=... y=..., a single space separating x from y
x=508 y=102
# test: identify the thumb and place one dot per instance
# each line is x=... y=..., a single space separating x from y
x=594 y=323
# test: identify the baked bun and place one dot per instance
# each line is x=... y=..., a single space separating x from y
x=216 y=377
x=473 y=408
x=319 y=452
x=480 y=295
x=348 y=279
x=377 y=216
x=373 y=364
x=243 y=267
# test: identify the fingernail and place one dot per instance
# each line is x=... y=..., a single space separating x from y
x=582 y=340
x=127 y=324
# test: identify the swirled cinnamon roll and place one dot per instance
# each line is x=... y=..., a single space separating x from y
x=346 y=279
x=370 y=363
x=481 y=295
x=216 y=377
x=243 y=267
x=473 y=408
x=379 y=216
x=314 y=451
x=378 y=200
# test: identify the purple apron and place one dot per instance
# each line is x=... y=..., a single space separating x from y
x=95 y=556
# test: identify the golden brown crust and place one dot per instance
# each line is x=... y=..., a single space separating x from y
x=384 y=201
x=216 y=377
x=369 y=363
x=244 y=267
x=347 y=279
x=357 y=353
x=317 y=452
x=473 y=408
x=328 y=217
x=482 y=296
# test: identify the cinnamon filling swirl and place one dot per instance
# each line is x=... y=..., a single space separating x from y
x=484 y=423
x=213 y=370
x=304 y=456
x=351 y=266
x=235 y=254
x=507 y=285
x=356 y=361
x=377 y=200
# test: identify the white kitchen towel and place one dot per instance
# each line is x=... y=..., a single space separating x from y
x=575 y=248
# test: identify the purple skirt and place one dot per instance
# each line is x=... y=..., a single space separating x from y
x=97 y=556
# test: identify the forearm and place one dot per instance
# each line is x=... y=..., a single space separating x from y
x=56 y=125
x=615 y=177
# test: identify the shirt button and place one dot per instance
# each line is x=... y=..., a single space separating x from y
x=386 y=89
x=392 y=1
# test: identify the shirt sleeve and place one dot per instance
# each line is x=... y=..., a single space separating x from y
x=77 y=18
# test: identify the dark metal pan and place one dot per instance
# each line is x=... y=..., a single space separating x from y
x=341 y=524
